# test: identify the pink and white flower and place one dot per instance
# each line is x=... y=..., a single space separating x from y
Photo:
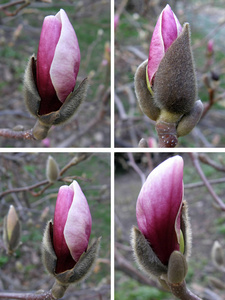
x=159 y=205
x=58 y=62
x=166 y=31
x=71 y=227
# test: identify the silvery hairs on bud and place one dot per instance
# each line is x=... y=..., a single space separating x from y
x=175 y=87
x=144 y=97
x=83 y=266
x=52 y=169
x=32 y=98
x=145 y=257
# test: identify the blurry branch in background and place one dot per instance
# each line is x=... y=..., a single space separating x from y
x=195 y=157
x=132 y=164
x=124 y=265
x=46 y=183
x=24 y=3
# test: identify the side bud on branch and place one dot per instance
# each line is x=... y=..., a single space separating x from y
x=65 y=243
x=161 y=245
x=11 y=230
x=49 y=82
x=52 y=169
x=165 y=84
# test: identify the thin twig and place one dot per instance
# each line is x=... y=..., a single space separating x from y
x=181 y=291
x=210 y=102
x=122 y=264
x=22 y=189
x=27 y=296
x=24 y=3
x=205 y=159
x=199 y=184
x=194 y=158
x=9 y=133
x=136 y=168
x=76 y=160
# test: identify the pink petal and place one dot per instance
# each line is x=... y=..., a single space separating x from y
x=170 y=27
x=50 y=34
x=166 y=31
x=66 y=61
x=158 y=207
x=156 y=51
x=78 y=226
x=63 y=204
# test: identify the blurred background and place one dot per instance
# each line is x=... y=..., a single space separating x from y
x=23 y=271
x=207 y=221
x=133 y=34
x=20 y=30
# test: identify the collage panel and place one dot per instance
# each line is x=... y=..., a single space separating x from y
x=169 y=74
x=55 y=226
x=55 y=74
x=169 y=225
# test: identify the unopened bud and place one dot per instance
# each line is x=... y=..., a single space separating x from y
x=143 y=143
x=177 y=267
x=215 y=76
x=11 y=230
x=52 y=169
x=189 y=120
x=217 y=254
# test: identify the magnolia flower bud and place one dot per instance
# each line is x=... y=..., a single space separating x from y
x=177 y=68
x=50 y=80
x=11 y=230
x=210 y=48
x=52 y=169
x=162 y=220
x=217 y=254
x=116 y=21
x=165 y=84
x=65 y=242
x=159 y=206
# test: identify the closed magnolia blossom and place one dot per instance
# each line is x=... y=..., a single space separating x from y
x=166 y=31
x=71 y=227
x=49 y=81
x=159 y=206
x=58 y=62
x=165 y=84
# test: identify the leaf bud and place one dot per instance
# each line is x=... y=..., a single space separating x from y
x=11 y=230
x=177 y=267
x=217 y=254
x=52 y=169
